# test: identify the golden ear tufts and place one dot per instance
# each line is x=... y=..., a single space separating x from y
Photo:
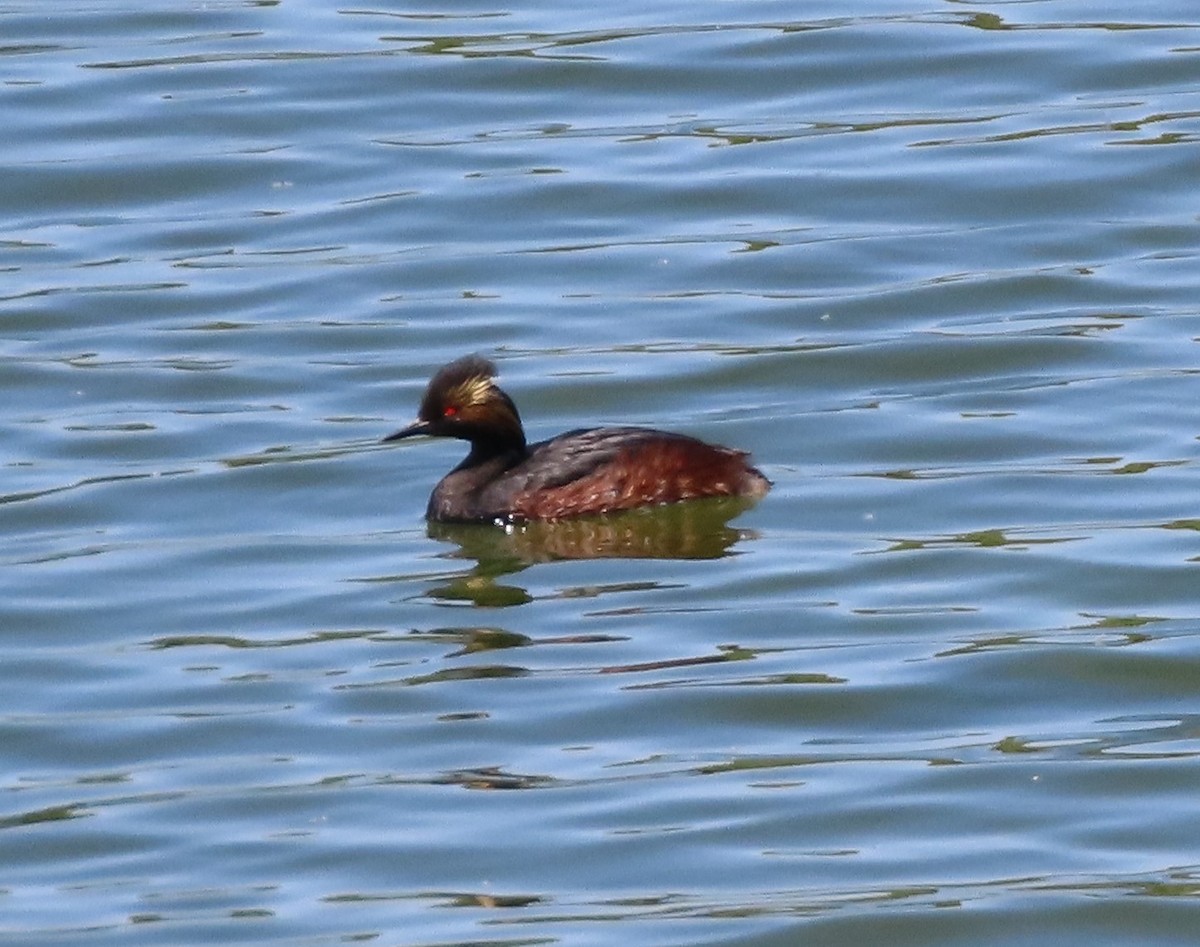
x=474 y=390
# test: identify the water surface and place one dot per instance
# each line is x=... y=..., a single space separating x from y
x=934 y=265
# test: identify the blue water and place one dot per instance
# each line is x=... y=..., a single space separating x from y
x=935 y=266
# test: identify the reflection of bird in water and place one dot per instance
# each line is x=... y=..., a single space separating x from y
x=698 y=530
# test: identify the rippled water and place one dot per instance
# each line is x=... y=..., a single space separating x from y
x=935 y=265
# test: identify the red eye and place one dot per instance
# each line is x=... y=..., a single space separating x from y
x=449 y=411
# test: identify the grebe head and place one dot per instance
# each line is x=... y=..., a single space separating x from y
x=463 y=401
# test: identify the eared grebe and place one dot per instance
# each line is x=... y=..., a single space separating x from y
x=582 y=472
